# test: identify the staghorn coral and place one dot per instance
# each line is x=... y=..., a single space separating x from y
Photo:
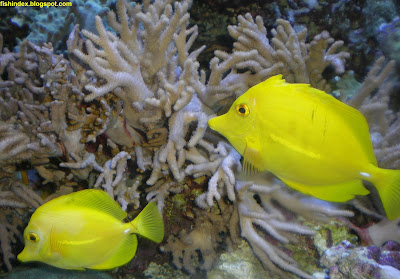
x=15 y=146
x=39 y=95
x=287 y=53
x=261 y=215
x=130 y=68
x=159 y=89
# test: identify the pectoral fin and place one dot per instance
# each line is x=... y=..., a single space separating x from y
x=251 y=158
x=335 y=192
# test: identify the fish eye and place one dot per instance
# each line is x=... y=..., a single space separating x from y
x=32 y=237
x=243 y=110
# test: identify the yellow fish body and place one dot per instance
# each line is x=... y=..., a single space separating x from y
x=85 y=229
x=311 y=141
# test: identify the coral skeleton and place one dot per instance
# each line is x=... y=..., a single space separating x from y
x=112 y=178
x=261 y=216
x=372 y=99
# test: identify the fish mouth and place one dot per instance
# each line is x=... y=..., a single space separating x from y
x=211 y=123
x=223 y=126
x=215 y=123
x=23 y=256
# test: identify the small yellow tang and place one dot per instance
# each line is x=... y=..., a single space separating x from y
x=85 y=229
x=311 y=141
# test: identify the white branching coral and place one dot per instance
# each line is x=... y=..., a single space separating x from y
x=154 y=85
x=287 y=53
x=260 y=215
x=160 y=89
x=15 y=146
x=42 y=92
x=173 y=153
x=222 y=171
x=145 y=76
x=112 y=178
x=372 y=99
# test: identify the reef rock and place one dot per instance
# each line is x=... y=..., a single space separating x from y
x=348 y=261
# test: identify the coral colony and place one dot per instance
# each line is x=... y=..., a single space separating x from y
x=127 y=112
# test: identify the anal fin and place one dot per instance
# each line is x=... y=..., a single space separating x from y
x=122 y=255
x=340 y=192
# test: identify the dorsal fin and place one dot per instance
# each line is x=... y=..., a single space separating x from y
x=90 y=198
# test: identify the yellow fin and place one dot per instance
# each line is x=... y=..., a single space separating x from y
x=251 y=157
x=272 y=81
x=387 y=182
x=335 y=193
x=90 y=198
x=248 y=168
x=123 y=255
x=149 y=223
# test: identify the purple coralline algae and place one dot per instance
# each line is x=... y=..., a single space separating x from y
x=348 y=261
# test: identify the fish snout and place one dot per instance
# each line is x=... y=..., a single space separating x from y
x=23 y=256
x=27 y=255
x=216 y=123
x=211 y=123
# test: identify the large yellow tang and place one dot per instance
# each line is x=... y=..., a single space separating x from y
x=311 y=141
x=85 y=229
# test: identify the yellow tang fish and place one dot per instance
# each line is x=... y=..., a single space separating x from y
x=85 y=229
x=311 y=141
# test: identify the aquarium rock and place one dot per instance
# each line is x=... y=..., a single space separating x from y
x=348 y=261
x=239 y=264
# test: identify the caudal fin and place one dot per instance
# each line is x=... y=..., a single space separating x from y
x=387 y=182
x=149 y=223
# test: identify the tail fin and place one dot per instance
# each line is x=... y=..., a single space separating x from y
x=149 y=223
x=387 y=182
